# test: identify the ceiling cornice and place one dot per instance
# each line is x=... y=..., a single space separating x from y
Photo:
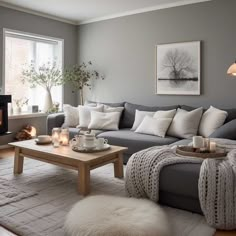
x=37 y=13
x=142 y=10
x=108 y=17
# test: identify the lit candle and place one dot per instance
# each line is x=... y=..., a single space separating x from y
x=56 y=137
x=212 y=146
x=64 y=137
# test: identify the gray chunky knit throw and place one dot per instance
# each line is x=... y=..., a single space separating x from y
x=217 y=181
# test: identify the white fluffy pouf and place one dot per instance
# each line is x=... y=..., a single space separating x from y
x=116 y=216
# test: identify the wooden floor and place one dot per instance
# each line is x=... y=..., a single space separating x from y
x=4 y=232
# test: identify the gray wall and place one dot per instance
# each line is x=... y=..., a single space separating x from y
x=17 y=20
x=124 y=50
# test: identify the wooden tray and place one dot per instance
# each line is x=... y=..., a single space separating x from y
x=189 y=151
x=84 y=150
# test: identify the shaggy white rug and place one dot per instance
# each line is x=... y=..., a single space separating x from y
x=116 y=216
x=44 y=214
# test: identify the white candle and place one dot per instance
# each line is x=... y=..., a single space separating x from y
x=198 y=142
x=212 y=146
x=207 y=143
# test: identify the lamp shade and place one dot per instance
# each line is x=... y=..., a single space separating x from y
x=232 y=70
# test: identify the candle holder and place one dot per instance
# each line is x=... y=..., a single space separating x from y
x=56 y=137
x=64 y=137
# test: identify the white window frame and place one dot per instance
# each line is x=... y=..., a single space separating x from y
x=39 y=37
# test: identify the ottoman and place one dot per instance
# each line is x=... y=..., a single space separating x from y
x=116 y=216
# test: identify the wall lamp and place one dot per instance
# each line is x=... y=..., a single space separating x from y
x=232 y=70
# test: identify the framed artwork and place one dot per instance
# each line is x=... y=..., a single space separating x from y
x=178 y=68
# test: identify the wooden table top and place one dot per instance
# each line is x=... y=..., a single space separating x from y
x=66 y=151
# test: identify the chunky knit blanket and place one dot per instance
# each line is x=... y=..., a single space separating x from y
x=217 y=180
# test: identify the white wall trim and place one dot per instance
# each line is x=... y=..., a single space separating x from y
x=37 y=13
x=108 y=17
x=143 y=10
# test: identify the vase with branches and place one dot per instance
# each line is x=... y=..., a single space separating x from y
x=80 y=76
x=47 y=76
x=19 y=103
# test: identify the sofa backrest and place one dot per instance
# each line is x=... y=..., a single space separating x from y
x=128 y=116
x=231 y=115
x=231 y=112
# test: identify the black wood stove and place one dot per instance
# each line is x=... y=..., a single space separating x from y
x=4 y=99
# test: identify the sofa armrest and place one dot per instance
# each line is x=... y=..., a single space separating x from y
x=54 y=120
x=227 y=131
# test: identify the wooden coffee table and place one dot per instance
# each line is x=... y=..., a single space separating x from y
x=63 y=156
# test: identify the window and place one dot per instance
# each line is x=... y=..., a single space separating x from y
x=20 y=50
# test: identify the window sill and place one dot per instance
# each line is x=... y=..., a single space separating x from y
x=26 y=115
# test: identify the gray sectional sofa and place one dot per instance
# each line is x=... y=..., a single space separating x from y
x=179 y=182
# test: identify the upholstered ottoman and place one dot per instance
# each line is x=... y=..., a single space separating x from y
x=116 y=216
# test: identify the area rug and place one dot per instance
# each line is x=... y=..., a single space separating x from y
x=43 y=214
x=11 y=193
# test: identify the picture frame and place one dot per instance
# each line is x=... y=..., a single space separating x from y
x=178 y=68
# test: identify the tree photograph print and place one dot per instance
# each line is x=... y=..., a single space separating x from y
x=178 y=68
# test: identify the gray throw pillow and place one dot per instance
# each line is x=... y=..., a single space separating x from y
x=185 y=123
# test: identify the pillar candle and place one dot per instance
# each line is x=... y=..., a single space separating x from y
x=198 y=142
x=212 y=146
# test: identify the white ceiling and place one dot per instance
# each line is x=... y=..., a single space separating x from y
x=85 y=11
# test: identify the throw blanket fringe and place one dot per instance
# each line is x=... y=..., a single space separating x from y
x=217 y=191
x=217 y=181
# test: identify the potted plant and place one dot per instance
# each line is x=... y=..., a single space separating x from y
x=80 y=76
x=47 y=76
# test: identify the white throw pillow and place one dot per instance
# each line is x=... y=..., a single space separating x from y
x=71 y=116
x=85 y=115
x=212 y=119
x=112 y=109
x=154 y=126
x=139 y=116
x=165 y=114
x=104 y=120
x=185 y=123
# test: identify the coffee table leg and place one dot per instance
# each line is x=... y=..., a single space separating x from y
x=118 y=166
x=84 y=179
x=18 y=162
